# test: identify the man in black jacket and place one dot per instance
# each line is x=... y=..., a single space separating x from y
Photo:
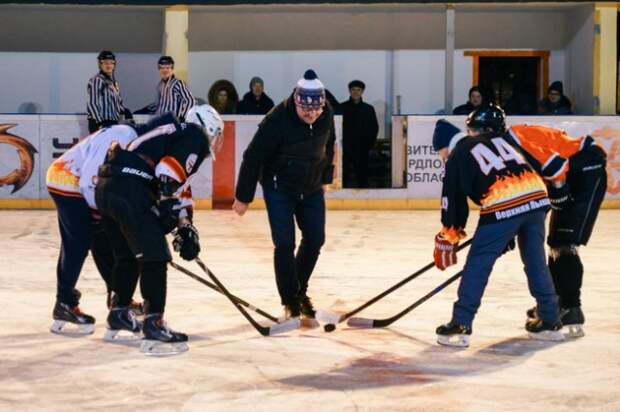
x=291 y=154
x=256 y=100
x=359 y=134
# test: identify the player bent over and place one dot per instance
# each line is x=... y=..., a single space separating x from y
x=513 y=202
x=140 y=196
x=71 y=183
x=577 y=181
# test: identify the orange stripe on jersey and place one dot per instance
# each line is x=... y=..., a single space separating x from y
x=173 y=164
x=64 y=193
x=509 y=188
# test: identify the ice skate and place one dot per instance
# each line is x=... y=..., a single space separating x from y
x=542 y=330
x=159 y=340
x=71 y=321
x=136 y=307
x=308 y=314
x=452 y=334
x=572 y=320
x=122 y=325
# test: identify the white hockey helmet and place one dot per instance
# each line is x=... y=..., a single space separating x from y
x=210 y=120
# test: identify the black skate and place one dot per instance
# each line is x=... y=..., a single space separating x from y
x=453 y=334
x=307 y=308
x=543 y=330
x=159 y=340
x=134 y=305
x=573 y=320
x=291 y=311
x=71 y=321
x=120 y=321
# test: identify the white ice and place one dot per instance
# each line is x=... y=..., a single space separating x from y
x=229 y=367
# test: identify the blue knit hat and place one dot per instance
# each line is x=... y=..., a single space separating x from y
x=310 y=92
x=443 y=134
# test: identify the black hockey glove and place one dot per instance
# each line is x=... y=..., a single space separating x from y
x=168 y=216
x=186 y=242
x=559 y=197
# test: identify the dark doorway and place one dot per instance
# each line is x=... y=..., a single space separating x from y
x=511 y=82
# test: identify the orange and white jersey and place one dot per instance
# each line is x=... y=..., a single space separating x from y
x=74 y=174
x=548 y=149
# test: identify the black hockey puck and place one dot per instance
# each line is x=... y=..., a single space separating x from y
x=330 y=327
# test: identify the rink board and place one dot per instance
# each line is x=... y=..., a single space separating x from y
x=51 y=135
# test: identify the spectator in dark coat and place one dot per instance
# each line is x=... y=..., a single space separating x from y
x=223 y=97
x=555 y=103
x=476 y=98
x=256 y=100
x=359 y=134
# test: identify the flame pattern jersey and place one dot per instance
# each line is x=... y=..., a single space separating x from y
x=74 y=174
x=490 y=172
x=547 y=149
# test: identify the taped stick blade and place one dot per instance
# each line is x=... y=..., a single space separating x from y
x=284 y=327
x=360 y=323
x=326 y=316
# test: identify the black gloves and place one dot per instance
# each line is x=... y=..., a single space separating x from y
x=559 y=197
x=186 y=242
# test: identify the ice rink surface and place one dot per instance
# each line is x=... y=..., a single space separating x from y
x=229 y=367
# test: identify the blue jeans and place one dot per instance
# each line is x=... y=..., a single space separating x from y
x=488 y=244
x=293 y=270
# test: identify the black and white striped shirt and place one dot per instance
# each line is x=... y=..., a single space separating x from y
x=173 y=96
x=104 y=99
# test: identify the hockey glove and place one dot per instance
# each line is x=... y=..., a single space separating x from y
x=445 y=252
x=186 y=242
x=559 y=196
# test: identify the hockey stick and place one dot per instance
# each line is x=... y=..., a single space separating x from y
x=285 y=326
x=382 y=323
x=341 y=318
x=215 y=288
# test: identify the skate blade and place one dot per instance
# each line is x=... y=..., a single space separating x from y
x=121 y=336
x=158 y=348
x=325 y=316
x=360 y=323
x=286 y=326
x=573 y=331
x=548 y=335
x=455 y=341
x=61 y=327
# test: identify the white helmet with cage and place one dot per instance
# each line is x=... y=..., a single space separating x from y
x=210 y=120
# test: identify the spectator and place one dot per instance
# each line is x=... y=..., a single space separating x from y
x=555 y=103
x=223 y=97
x=475 y=100
x=256 y=100
x=359 y=134
x=172 y=93
x=104 y=106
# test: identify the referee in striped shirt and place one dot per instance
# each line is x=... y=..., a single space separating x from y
x=172 y=93
x=105 y=106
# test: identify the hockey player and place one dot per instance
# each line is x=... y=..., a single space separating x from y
x=71 y=184
x=577 y=181
x=513 y=202
x=139 y=194
x=291 y=154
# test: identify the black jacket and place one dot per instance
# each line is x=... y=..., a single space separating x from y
x=466 y=108
x=359 y=127
x=249 y=104
x=288 y=154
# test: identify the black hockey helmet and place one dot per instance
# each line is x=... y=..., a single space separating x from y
x=488 y=116
x=106 y=55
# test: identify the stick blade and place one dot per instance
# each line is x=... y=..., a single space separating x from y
x=361 y=323
x=286 y=326
x=326 y=316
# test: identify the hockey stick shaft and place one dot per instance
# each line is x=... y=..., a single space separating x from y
x=381 y=323
x=215 y=288
x=263 y=330
x=396 y=286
